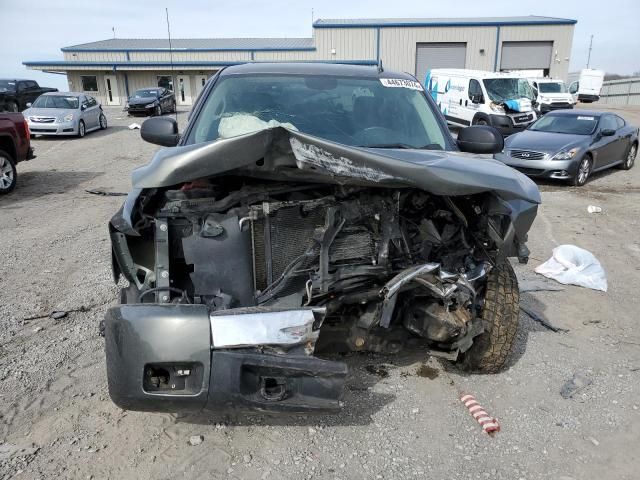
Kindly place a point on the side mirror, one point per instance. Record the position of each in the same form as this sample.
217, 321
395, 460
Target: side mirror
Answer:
480, 139
477, 98
83, 107
28, 104
160, 131
607, 132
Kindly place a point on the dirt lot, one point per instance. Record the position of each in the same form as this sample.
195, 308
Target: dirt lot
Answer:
402, 417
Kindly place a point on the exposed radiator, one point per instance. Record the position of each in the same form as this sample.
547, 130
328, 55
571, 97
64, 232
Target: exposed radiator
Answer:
281, 236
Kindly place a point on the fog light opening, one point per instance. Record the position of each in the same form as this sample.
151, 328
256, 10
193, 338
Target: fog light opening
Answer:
273, 389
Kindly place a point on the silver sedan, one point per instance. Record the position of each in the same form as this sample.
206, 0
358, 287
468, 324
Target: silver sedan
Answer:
65, 113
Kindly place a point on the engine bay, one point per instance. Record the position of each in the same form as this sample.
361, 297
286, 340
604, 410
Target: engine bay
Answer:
387, 266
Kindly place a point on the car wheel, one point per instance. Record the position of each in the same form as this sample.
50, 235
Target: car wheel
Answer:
157, 111
81, 129
8, 173
631, 157
500, 313
583, 172
103, 121
12, 107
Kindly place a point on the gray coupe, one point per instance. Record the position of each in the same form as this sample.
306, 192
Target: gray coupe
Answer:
65, 113
571, 144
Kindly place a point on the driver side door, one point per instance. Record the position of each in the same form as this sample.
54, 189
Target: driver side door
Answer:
607, 147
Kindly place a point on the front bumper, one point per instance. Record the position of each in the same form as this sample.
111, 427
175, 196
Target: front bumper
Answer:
55, 128
506, 125
550, 107
588, 98
140, 109
163, 358
551, 169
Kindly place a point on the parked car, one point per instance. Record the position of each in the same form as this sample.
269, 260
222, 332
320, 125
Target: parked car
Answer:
550, 95
151, 101
585, 85
65, 113
15, 147
472, 97
572, 144
16, 93
309, 208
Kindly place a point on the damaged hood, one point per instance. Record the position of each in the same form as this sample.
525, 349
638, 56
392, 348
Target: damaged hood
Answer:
281, 153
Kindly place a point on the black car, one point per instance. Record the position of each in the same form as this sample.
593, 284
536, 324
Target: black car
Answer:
151, 101
309, 209
570, 145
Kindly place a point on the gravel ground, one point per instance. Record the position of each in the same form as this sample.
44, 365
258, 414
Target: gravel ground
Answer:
402, 421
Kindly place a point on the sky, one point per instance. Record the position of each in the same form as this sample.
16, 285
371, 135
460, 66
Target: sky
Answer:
37, 29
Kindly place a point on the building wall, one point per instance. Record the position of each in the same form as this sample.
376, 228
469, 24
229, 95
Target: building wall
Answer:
134, 80
397, 49
398, 45
95, 56
562, 36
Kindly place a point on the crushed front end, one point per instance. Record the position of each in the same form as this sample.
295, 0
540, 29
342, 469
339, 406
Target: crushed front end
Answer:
240, 281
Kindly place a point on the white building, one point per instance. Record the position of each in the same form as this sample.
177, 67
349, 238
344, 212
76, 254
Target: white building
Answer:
112, 69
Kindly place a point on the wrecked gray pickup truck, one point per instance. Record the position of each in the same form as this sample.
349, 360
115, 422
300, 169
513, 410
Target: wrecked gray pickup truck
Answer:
309, 209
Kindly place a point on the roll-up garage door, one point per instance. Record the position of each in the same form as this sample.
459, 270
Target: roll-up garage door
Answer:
526, 55
439, 55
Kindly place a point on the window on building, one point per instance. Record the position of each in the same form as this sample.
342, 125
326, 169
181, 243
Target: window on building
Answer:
89, 83
165, 81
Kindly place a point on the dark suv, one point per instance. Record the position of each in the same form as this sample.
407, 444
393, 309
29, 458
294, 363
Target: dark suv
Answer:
309, 209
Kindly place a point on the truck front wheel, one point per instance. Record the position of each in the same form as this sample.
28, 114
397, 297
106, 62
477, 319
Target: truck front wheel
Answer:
500, 312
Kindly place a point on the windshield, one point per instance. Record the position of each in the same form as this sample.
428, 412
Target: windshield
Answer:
570, 124
7, 86
56, 101
366, 112
145, 93
552, 87
503, 89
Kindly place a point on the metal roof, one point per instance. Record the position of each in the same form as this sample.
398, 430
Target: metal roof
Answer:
440, 22
204, 44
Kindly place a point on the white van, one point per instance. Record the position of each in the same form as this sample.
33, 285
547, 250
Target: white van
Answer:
470, 97
551, 94
586, 84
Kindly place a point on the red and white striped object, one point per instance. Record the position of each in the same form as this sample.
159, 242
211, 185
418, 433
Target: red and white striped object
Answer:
488, 424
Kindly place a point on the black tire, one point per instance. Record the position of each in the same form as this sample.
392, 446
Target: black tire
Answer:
583, 172
8, 173
12, 107
631, 157
500, 313
81, 129
480, 121
157, 112
103, 122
